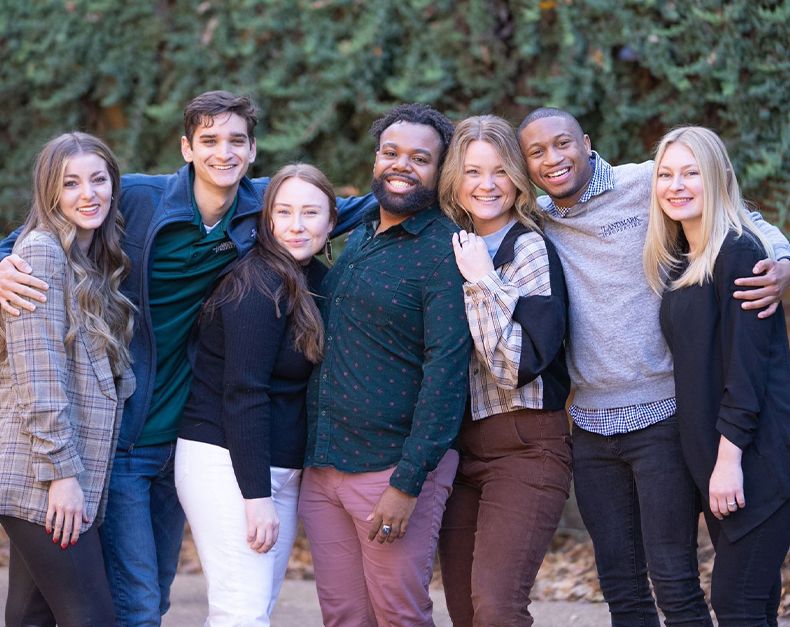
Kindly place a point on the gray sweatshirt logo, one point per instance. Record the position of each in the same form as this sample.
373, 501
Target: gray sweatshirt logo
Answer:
607, 230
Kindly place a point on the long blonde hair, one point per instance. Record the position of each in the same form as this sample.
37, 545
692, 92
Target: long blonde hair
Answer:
500, 134
723, 210
93, 296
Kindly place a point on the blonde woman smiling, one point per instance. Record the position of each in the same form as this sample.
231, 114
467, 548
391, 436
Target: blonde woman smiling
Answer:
515, 458
732, 370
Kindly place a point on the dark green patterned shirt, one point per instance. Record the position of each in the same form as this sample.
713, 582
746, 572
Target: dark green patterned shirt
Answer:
393, 384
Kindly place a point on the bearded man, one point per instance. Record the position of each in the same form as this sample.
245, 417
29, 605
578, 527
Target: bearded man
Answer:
388, 399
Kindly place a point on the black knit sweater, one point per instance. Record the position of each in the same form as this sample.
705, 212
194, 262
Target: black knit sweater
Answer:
248, 386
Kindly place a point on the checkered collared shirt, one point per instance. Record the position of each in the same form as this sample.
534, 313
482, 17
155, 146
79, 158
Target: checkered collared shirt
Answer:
602, 181
622, 419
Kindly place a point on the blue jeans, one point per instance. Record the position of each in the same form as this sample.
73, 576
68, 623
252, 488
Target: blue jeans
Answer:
640, 505
141, 534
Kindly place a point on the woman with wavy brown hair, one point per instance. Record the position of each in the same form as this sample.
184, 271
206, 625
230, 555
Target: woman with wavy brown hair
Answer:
514, 470
64, 375
241, 445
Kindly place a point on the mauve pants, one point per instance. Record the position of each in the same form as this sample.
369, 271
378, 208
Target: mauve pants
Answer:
362, 583
512, 483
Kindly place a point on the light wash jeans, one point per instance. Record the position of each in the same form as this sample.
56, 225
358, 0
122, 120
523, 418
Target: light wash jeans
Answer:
141, 534
243, 585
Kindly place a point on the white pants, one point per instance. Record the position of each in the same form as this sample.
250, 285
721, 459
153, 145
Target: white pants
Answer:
242, 584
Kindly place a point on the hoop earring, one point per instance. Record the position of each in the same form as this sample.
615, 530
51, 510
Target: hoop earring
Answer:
328, 251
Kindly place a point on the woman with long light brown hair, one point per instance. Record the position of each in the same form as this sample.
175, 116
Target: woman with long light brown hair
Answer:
241, 445
64, 376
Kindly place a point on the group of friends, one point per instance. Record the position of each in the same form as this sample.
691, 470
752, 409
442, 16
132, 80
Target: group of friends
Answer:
171, 347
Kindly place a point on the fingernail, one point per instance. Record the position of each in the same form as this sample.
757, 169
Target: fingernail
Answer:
73, 542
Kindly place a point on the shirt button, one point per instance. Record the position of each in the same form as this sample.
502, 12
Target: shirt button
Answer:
329, 338
351, 266
324, 376
323, 412
337, 300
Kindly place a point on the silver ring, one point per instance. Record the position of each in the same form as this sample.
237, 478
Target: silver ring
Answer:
386, 530
733, 503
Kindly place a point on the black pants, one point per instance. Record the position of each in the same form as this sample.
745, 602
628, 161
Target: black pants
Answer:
641, 507
747, 583
48, 585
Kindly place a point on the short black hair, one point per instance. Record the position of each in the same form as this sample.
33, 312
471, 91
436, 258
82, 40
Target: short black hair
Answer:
549, 112
416, 113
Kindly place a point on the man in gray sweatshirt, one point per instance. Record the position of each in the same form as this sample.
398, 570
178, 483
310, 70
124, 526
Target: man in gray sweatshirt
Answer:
634, 492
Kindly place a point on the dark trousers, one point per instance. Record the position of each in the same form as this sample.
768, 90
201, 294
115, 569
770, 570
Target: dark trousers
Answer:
513, 480
747, 579
641, 507
48, 585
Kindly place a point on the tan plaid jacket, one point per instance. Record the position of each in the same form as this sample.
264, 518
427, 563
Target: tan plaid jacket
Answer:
60, 409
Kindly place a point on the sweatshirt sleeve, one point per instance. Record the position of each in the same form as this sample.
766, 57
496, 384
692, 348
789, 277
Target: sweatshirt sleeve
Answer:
518, 318
774, 235
253, 333
7, 245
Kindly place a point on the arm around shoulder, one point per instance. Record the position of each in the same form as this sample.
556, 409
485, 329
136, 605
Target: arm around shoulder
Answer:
19, 285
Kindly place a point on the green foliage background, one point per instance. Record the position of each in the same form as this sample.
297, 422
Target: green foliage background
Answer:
322, 70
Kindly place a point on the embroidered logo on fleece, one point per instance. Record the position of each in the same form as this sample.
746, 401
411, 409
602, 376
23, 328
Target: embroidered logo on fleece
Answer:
607, 230
221, 248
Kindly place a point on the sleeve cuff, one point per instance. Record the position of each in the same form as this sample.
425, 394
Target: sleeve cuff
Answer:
738, 436
408, 478
485, 288
65, 463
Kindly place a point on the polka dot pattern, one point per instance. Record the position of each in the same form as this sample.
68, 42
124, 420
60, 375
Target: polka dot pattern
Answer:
392, 386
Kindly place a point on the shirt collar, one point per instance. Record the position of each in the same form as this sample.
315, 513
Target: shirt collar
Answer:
602, 180
413, 224
197, 219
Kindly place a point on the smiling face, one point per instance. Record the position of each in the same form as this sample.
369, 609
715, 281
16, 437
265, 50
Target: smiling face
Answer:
679, 188
406, 169
85, 195
220, 151
300, 218
558, 158
486, 190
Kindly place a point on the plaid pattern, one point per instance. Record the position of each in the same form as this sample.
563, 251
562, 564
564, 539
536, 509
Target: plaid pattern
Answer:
60, 408
622, 419
602, 181
490, 303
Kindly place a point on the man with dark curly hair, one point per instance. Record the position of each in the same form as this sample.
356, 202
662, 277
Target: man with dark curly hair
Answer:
388, 399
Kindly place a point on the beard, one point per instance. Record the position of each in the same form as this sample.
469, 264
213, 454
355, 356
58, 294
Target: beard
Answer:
413, 201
